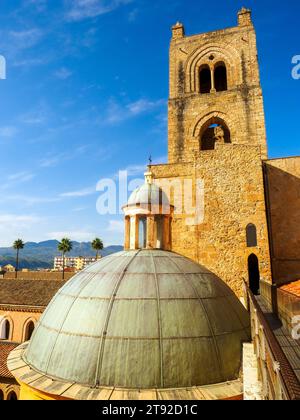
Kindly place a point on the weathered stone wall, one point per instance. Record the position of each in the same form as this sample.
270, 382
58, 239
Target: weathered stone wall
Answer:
283, 190
240, 107
233, 198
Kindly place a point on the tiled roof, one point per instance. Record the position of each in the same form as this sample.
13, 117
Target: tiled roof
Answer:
28, 292
293, 288
5, 349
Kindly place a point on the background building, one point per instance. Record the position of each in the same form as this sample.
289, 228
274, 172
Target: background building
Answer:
76, 263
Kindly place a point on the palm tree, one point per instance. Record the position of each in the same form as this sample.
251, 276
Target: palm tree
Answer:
64, 247
97, 245
18, 245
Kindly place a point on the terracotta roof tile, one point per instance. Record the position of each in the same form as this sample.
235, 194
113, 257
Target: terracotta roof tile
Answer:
293, 288
5, 349
28, 292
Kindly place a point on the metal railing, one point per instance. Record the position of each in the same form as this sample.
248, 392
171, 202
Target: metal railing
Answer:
287, 375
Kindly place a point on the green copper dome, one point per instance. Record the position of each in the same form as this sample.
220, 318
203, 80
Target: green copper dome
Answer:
141, 320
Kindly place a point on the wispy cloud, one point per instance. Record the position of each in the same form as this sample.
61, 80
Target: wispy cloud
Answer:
25, 39
79, 193
63, 73
21, 176
117, 113
31, 200
56, 159
8, 132
84, 9
14, 220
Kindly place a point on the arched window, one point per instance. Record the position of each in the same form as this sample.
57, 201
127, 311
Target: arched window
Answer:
220, 77
205, 79
214, 131
142, 232
12, 396
254, 275
29, 331
251, 236
5, 330
1, 395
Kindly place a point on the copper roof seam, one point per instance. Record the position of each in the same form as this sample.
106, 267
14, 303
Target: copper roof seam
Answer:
237, 315
140, 338
64, 320
206, 316
159, 321
105, 327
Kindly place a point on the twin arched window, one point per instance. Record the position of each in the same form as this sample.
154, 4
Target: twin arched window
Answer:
215, 78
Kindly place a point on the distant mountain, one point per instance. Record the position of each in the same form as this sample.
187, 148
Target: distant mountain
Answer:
41, 255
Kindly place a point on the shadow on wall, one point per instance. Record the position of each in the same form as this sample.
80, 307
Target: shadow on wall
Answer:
283, 201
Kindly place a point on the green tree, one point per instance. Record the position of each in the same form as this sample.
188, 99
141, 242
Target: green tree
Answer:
65, 246
18, 245
97, 245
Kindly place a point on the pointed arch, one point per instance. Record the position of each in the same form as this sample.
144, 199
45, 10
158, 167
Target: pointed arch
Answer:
28, 329
6, 329
220, 77
251, 235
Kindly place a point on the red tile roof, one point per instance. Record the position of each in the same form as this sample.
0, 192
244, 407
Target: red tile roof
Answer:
5, 349
293, 288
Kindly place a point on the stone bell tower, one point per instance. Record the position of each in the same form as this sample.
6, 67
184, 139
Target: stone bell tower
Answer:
215, 91
217, 137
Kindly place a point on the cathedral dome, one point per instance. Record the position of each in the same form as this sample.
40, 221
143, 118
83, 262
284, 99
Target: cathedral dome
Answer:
148, 194
142, 319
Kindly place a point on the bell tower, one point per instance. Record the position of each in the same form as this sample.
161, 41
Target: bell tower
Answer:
215, 91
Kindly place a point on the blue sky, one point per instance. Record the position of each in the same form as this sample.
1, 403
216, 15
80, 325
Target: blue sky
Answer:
86, 95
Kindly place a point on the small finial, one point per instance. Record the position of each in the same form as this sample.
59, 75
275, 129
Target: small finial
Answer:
150, 160
178, 30
244, 17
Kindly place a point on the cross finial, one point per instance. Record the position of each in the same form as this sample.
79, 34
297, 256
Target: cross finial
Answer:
150, 160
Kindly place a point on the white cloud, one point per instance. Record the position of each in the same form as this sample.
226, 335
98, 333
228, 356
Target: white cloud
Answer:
8, 131
63, 73
79, 193
14, 220
34, 117
21, 177
25, 39
84, 9
117, 113
31, 200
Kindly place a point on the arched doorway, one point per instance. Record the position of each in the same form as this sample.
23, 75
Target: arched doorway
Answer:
12, 396
254, 275
1, 395
29, 330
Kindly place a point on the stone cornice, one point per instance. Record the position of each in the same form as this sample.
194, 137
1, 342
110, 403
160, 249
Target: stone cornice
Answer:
22, 308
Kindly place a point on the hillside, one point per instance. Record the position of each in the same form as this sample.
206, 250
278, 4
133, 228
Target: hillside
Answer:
41, 255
